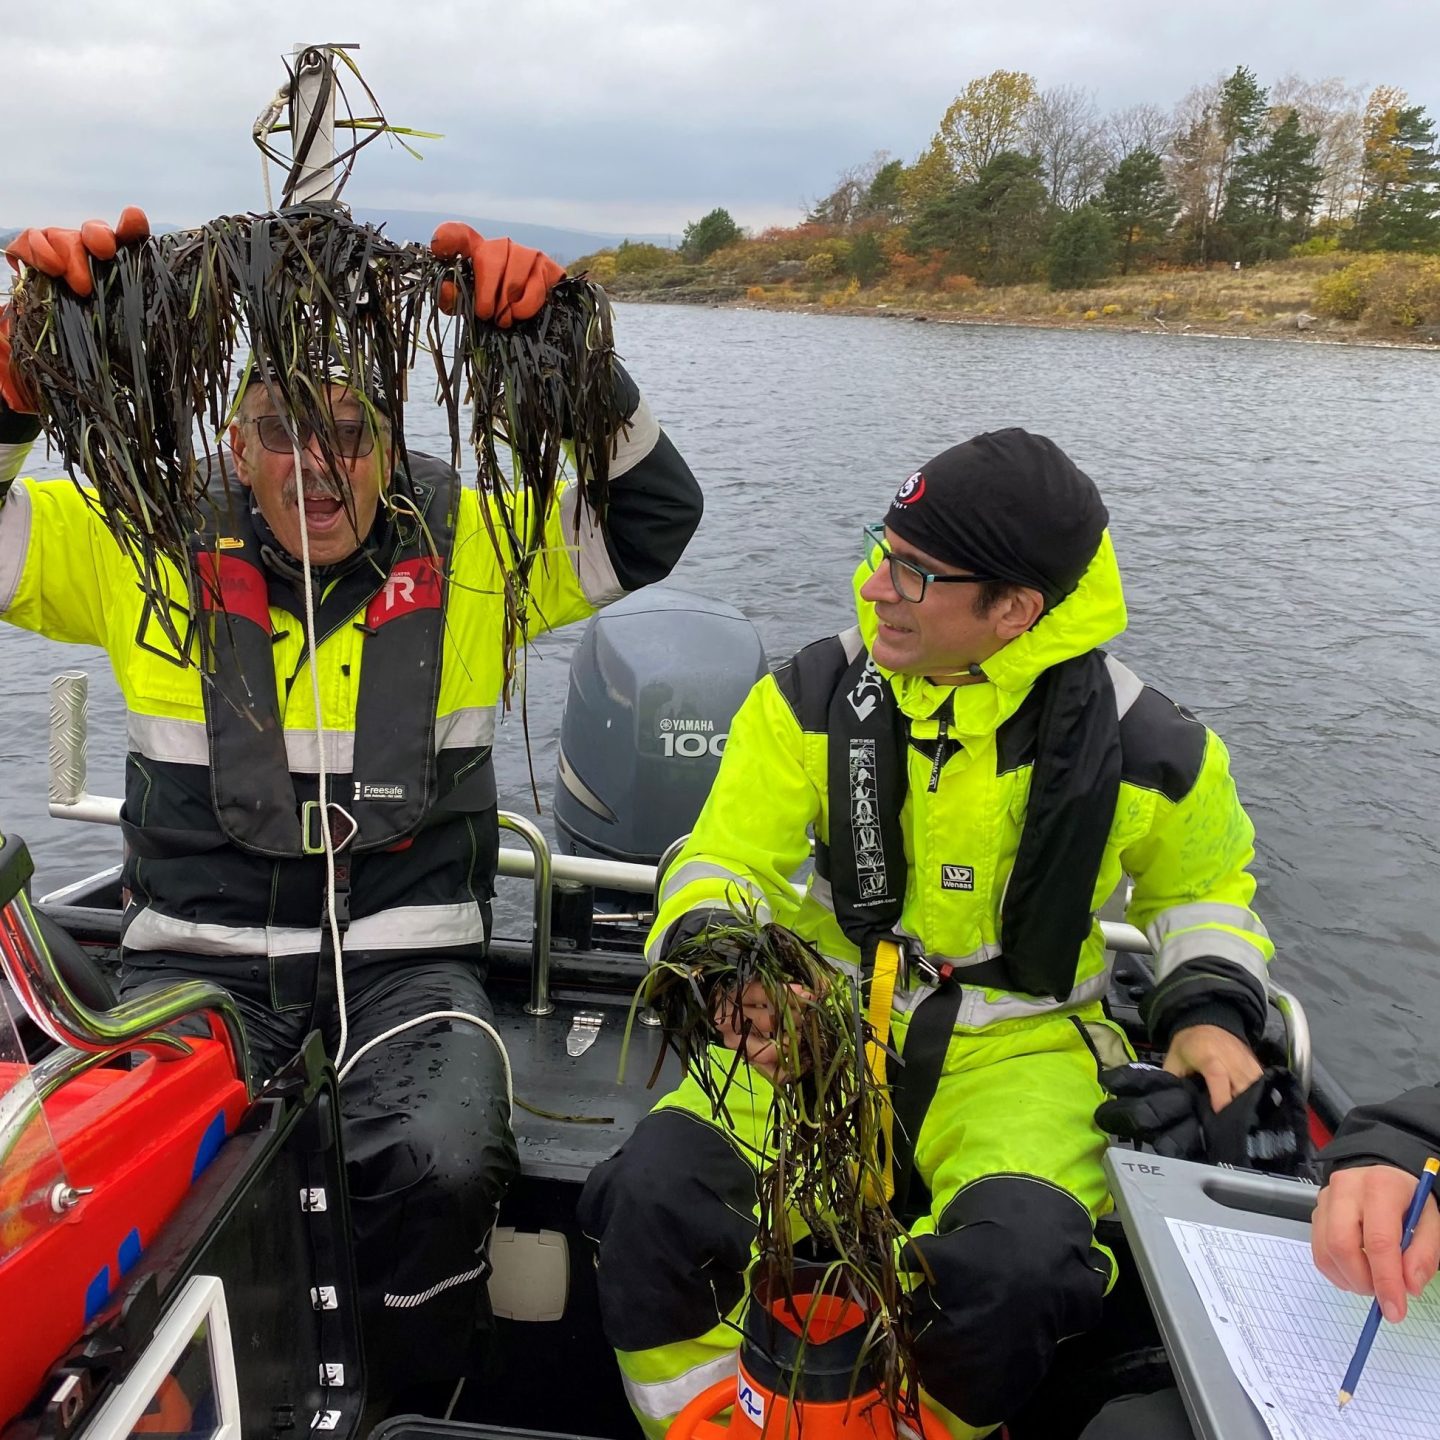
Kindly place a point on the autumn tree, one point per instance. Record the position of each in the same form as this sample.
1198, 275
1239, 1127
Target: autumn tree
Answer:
1332, 111
988, 116
928, 180
1141, 206
1081, 248
847, 202
1137, 127
1400, 206
703, 237
1063, 131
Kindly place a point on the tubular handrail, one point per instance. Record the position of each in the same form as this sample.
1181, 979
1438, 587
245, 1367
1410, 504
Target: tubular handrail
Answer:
1299, 1051
539, 1002
135, 1024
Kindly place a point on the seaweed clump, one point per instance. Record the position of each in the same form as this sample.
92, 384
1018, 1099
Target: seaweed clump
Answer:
135, 383
824, 1163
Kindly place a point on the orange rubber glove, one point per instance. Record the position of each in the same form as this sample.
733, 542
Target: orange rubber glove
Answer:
512, 281
66, 254
13, 395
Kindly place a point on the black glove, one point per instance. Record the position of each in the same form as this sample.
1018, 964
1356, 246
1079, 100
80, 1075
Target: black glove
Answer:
1263, 1128
1152, 1106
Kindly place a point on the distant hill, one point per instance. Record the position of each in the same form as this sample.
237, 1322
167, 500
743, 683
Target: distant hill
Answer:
559, 244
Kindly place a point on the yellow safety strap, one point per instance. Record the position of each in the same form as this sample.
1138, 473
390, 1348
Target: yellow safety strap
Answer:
882, 996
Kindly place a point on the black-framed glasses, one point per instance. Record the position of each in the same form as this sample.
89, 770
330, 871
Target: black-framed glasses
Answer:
354, 439
909, 580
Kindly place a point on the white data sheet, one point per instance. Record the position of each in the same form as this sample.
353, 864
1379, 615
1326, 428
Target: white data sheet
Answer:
1289, 1335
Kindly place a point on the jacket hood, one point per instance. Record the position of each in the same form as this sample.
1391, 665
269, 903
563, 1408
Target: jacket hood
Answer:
1092, 614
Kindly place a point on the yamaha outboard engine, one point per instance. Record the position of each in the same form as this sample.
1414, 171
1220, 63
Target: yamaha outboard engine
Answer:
654, 683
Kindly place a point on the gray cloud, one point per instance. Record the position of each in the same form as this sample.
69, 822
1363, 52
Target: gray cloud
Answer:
635, 116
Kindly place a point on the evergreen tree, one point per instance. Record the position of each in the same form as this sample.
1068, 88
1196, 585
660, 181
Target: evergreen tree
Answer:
1401, 206
1141, 206
1082, 245
1272, 194
993, 227
885, 196
703, 237
1239, 117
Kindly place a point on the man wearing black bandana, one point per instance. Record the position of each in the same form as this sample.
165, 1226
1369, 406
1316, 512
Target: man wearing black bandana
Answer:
979, 777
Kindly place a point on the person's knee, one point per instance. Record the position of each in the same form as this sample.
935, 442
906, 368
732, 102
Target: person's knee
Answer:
673, 1215
1011, 1272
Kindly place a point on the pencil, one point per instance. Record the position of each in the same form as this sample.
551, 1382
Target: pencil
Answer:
1351, 1382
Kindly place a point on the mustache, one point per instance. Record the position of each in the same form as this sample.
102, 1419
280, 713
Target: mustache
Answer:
315, 487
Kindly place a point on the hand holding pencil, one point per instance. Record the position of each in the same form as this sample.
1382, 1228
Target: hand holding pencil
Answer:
1359, 1243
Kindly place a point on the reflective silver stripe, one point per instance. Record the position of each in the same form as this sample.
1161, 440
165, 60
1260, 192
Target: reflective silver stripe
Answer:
977, 1010
161, 737
1175, 918
634, 440
302, 752
466, 729
12, 457
183, 742
1127, 685
660, 1399
1210, 944
408, 1302
404, 927
15, 516
679, 876
584, 541
150, 930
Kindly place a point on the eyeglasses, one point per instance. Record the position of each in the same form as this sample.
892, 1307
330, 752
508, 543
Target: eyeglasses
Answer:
279, 434
909, 580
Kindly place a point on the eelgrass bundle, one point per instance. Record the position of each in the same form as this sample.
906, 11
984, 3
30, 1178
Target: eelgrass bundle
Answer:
135, 383
531, 388
823, 1161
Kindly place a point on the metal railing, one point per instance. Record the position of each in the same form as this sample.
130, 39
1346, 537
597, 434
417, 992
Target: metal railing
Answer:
537, 863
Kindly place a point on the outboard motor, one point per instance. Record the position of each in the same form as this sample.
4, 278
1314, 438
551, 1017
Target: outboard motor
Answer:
654, 684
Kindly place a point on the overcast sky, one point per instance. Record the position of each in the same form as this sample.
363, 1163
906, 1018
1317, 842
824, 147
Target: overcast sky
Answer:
621, 117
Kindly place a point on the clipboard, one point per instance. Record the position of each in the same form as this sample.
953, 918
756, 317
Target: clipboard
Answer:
1149, 1191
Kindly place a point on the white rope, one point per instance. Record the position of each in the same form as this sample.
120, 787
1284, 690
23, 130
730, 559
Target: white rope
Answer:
475, 1020
324, 781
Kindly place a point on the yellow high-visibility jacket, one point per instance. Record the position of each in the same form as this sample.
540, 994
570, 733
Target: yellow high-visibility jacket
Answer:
194, 889
1178, 830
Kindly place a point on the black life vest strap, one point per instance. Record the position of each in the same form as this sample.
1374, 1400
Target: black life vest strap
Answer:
864, 856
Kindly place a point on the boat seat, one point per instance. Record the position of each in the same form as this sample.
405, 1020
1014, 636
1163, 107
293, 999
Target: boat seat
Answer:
85, 978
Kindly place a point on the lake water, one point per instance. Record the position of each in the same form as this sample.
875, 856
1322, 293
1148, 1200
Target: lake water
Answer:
1273, 507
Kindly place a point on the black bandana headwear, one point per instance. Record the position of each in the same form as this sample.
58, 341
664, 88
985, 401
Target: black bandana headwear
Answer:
1009, 505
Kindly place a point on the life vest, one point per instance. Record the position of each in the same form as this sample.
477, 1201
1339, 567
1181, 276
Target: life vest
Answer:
1046, 912
393, 783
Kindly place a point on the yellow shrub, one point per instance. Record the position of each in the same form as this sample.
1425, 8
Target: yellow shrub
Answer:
1112, 309
1343, 293
755, 292
1399, 290
820, 265
1091, 315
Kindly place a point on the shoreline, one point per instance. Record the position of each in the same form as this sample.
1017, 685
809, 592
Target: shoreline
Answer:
1177, 329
